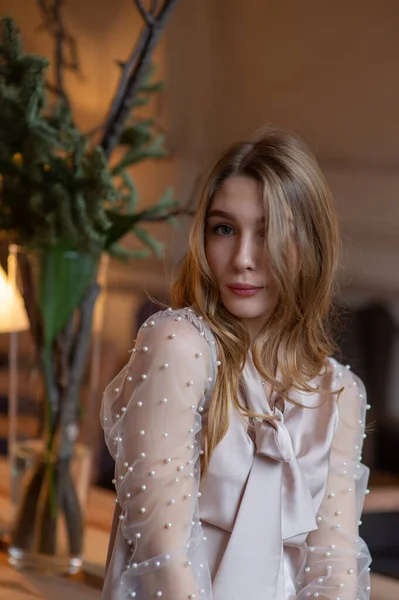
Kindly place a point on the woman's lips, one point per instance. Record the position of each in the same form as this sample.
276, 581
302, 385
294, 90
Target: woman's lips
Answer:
241, 290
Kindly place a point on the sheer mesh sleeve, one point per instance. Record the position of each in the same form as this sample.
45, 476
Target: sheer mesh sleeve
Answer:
151, 415
338, 559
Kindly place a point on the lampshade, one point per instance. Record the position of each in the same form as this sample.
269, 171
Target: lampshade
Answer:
13, 316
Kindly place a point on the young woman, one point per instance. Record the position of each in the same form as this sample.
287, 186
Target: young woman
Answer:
237, 437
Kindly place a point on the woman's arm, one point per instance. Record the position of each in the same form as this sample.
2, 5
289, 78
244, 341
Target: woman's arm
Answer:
338, 560
152, 411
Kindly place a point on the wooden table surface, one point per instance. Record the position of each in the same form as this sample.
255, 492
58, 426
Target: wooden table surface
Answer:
23, 585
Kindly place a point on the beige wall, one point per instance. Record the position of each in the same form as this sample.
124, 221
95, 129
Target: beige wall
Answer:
325, 69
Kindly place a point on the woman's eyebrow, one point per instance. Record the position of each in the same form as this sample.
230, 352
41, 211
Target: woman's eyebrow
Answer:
226, 215
220, 213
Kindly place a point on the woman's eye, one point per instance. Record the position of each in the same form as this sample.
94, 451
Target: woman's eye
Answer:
223, 230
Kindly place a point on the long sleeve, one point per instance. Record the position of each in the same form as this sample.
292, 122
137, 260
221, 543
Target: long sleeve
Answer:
338, 559
151, 415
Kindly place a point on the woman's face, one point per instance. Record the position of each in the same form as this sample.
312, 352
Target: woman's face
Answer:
236, 251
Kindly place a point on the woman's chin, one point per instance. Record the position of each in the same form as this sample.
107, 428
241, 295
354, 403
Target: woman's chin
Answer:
246, 310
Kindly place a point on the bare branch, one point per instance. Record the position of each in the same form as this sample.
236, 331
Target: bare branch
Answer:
124, 98
52, 88
148, 18
59, 50
154, 6
94, 131
179, 212
125, 76
64, 44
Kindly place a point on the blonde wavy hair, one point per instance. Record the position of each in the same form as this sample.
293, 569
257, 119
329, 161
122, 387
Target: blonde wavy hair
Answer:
299, 213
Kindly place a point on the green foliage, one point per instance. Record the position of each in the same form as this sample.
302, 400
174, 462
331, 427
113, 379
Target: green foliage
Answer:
72, 271
57, 190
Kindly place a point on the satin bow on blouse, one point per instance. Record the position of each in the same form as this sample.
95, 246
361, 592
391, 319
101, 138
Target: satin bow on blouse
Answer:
276, 505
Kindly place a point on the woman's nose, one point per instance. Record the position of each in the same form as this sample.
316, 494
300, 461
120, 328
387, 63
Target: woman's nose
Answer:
245, 255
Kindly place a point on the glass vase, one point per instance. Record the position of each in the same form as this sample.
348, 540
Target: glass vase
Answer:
52, 399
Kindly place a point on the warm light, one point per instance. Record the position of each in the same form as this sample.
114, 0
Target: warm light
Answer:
13, 316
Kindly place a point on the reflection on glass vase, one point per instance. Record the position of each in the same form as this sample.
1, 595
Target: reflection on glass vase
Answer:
54, 368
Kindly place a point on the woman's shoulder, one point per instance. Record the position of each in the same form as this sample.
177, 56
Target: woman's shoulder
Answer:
342, 373
185, 326
352, 394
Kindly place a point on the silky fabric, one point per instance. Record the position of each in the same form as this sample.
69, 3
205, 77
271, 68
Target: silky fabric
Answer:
277, 502
276, 515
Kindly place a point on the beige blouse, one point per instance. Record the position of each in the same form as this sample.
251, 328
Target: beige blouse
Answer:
275, 518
